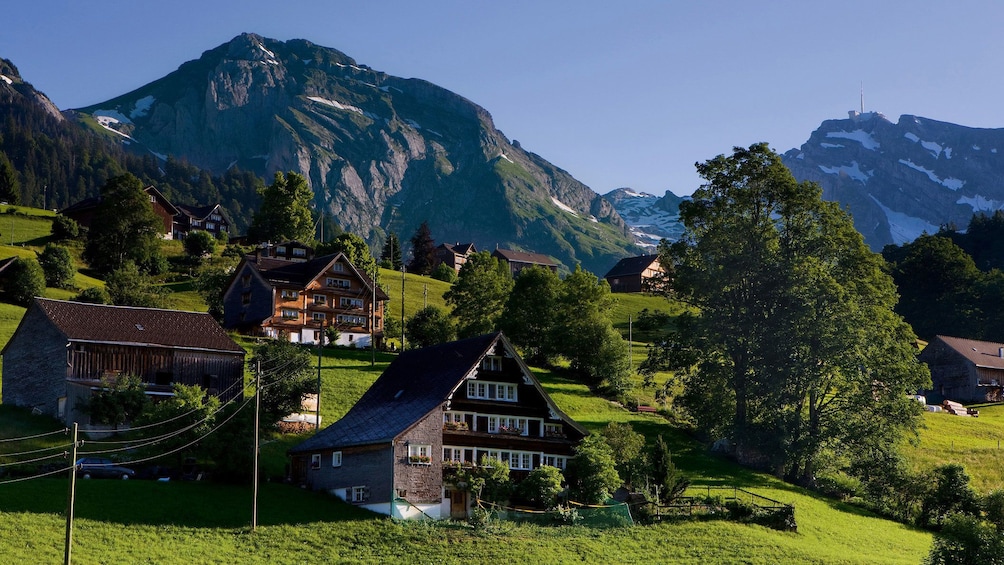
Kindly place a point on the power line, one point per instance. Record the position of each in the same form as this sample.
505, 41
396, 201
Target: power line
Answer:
62, 431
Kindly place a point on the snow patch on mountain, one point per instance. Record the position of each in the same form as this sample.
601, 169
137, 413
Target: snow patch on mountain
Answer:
853, 170
981, 203
142, 106
950, 183
861, 136
556, 202
110, 116
904, 228
6, 79
340, 106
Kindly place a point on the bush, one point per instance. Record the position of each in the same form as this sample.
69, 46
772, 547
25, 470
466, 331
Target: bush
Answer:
444, 273
199, 243
25, 281
651, 321
542, 487
57, 266
64, 228
93, 295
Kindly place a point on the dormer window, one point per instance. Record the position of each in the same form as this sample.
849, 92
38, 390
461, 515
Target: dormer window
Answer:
491, 363
281, 250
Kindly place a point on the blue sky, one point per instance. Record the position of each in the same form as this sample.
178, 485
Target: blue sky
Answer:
617, 93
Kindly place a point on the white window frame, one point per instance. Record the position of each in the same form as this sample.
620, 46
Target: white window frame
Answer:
491, 363
355, 303
360, 494
333, 282
299, 252
289, 294
482, 390
338, 268
336, 459
420, 450
319, 316
290, 314
320, 299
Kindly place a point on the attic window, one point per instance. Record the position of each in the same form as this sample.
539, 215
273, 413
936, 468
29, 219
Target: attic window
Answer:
140, 327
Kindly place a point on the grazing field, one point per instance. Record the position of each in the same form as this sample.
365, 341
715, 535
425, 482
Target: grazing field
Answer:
975, 443
184, 522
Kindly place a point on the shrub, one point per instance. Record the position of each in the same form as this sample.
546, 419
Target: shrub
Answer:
444, 273
93, 295
25, 281
542, 486
199, 243
57, 266
64, 228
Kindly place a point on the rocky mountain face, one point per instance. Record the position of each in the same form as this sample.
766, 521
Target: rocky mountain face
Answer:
381, 153
650, 218
901, 179
12, 86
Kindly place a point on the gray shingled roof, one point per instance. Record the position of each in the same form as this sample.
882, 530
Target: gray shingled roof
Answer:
101, 323
524, 257
416, 383
981, 353
631, 266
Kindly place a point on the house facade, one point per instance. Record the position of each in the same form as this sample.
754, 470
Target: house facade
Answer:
454, 255
635, 274
432, 411
282, 291
964, 370
211, 219
519, 260
61, 351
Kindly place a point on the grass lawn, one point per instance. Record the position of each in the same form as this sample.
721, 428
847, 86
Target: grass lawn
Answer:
976, 443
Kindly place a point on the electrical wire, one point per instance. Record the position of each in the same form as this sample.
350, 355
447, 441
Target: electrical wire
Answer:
63, 446
62, 431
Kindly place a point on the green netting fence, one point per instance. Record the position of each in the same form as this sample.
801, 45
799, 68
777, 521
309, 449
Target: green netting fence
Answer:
611, 515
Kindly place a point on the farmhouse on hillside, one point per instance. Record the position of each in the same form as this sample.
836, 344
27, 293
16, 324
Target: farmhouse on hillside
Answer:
431, 411
634, 274
282, 291
964, 370
519, 260
177, 220
453, 255
61, 350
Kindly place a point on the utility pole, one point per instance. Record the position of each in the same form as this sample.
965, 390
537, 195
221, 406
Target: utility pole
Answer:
257, 409
630, 340
68, 547
402, 307
373, 319
320, 349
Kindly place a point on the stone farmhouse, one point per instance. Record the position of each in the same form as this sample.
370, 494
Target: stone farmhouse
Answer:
61, 350
282, 291
432, 411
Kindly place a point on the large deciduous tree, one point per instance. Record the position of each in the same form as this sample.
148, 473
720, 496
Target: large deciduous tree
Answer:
354, 247
479, 295
794, 351
530, 313
124, 228
429, 326
284, 214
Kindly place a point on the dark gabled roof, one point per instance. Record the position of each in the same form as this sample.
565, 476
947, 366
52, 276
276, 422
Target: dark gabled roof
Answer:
631, 266
524, 257
100, 323
199, 212
981, 353
459, 248
85, 204
416, 383
300, 273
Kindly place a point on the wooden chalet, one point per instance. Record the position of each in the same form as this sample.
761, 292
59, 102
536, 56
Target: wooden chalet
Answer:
83, 212
454, 255
61, 350
211, 219
432, 411
282, 291
519, 260
635, 274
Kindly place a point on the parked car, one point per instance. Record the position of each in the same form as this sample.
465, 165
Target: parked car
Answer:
102, 468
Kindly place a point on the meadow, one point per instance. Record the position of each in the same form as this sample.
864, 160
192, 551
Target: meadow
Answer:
207, 522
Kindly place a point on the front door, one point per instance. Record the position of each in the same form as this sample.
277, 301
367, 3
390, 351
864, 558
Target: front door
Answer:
458, 504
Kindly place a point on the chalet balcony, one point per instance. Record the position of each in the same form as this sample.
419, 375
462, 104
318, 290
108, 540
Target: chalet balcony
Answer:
455, 427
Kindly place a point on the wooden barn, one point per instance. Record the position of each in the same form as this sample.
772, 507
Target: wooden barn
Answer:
62, 350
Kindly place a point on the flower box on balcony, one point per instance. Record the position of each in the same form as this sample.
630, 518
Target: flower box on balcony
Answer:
510, 431
456, 426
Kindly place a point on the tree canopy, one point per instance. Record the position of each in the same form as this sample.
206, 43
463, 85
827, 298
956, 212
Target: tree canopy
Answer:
124, 228
284, 214
794, 351
479, 295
